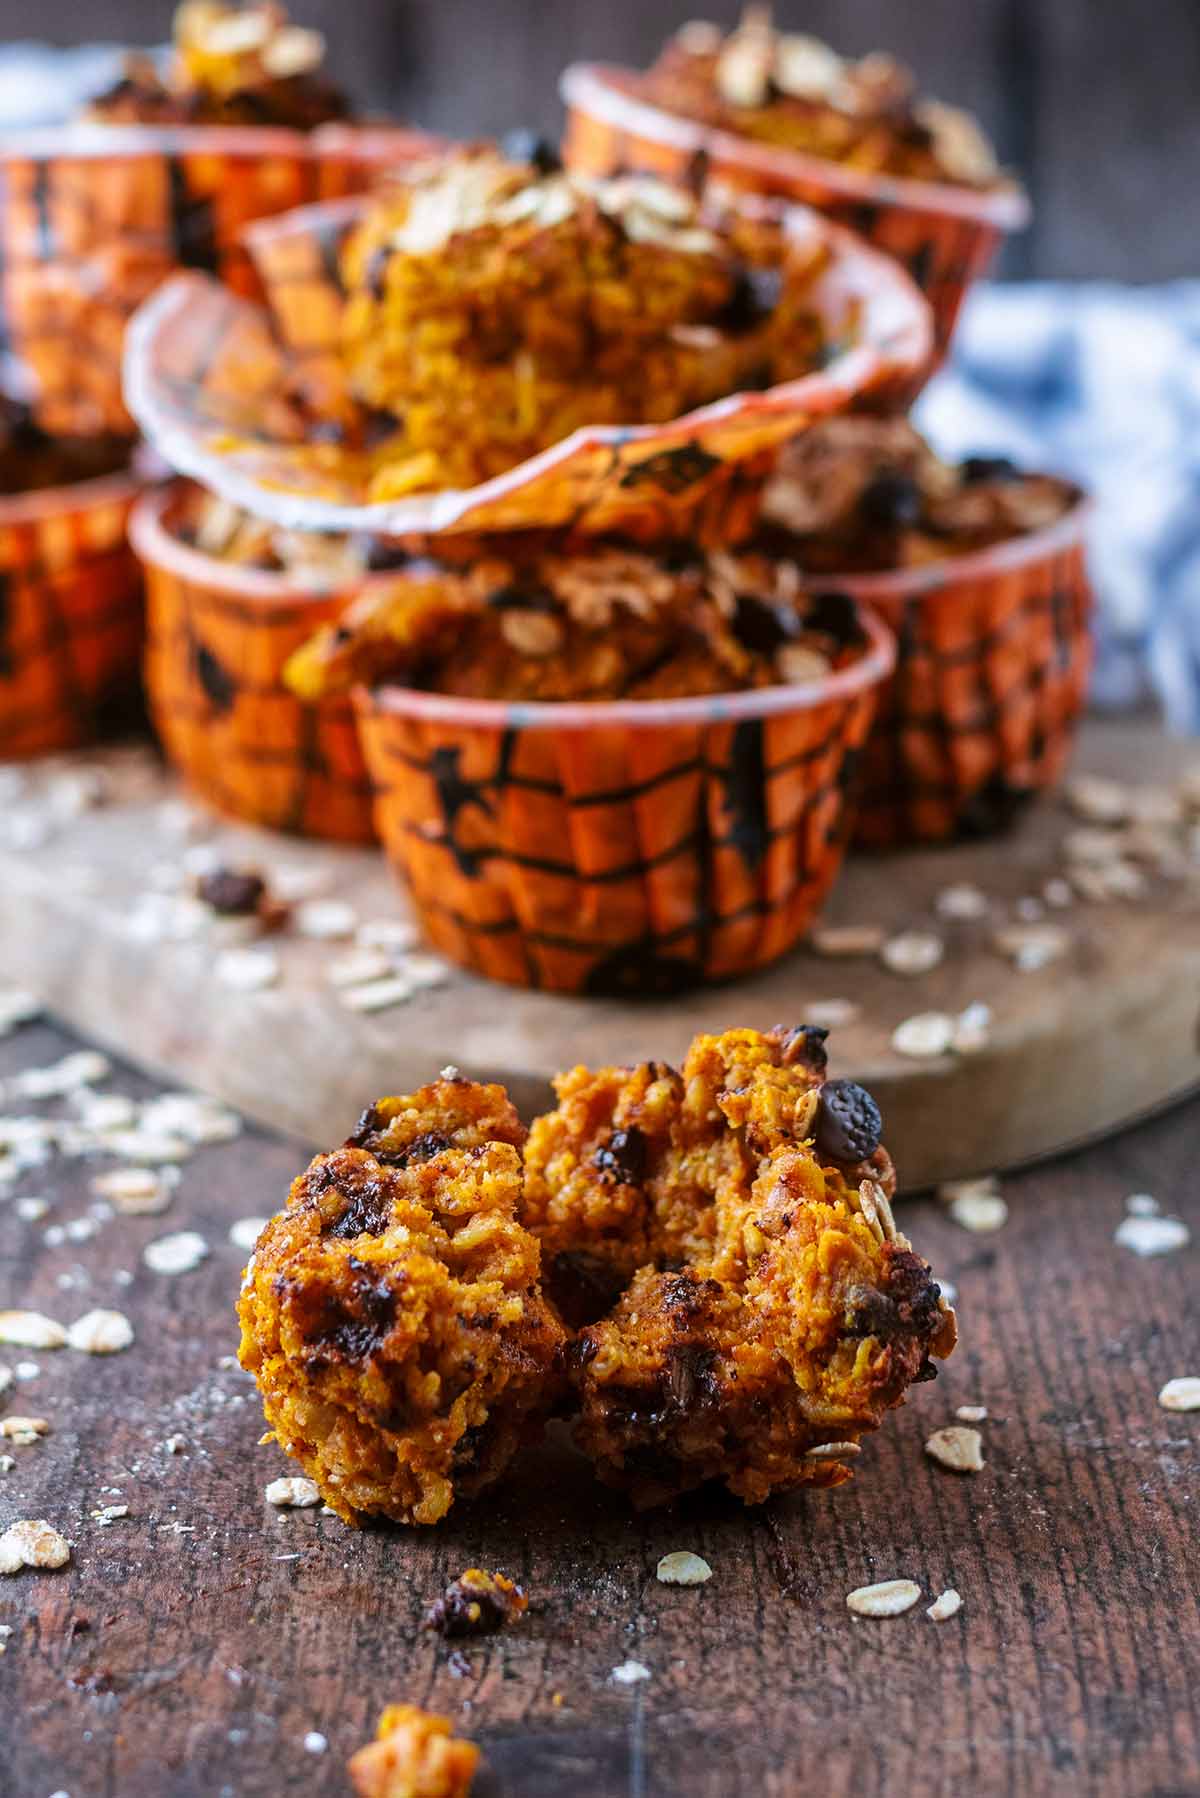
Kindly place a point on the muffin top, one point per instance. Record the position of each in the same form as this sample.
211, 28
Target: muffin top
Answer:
229, 65
862, 495
605, 622
795, 92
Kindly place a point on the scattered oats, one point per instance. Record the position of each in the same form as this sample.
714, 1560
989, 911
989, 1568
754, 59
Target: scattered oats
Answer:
54, 1237
958, 1448
177, 1254
683, 1569
379, 995
109, 1514
1029, 910
971, 1413
1141, 1204
293, 1492
104, 1111
833, 1451
246, 1232
832, 1014
176, 818
424, 970
1148, 1236
627, 1674
980, 1212
83, 1068
31, 1209
1032, 946
100, 1333
16, 1008
247, 970
325, 920
135, 1191
175, 1445
358, 968
1091, 848
1182, 1394
847, 939
927, 1034
912, 953
948, 1290
167, 918
197, 1119
123, 1277
81, 1229
946, 1605
1117, 880
1156, 806
27, 828
389, 934
1057, 893
6, 1463
24, 1430
1098, 800
888, 1598
972, 1029
32, 1543
29, 1329
6, 1378
315, 1742
148, 1146
961, 902
27, 1370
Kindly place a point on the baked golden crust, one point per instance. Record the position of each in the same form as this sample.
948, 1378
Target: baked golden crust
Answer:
494, 309
414, 1755
392, 1313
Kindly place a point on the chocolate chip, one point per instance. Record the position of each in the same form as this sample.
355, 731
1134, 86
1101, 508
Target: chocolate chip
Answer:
755, 295
623, 1157
232, 894
803, 1046
891, 501
988, 468
848, 1122
523, 145
836, 615
760, 626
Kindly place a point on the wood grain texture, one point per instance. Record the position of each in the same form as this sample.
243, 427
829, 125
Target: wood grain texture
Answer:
1092, 100
187, 1665
1057, 1069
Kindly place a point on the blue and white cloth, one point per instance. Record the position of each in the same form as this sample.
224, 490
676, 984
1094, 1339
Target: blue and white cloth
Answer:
1101, 383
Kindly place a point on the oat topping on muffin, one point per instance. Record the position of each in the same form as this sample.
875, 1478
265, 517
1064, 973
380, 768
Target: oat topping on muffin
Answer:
792, 91
853, 495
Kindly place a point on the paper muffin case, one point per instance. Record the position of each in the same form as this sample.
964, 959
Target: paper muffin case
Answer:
994, 654
629, 847
944, 235
70, 614
92, 219
218, 637
204, 369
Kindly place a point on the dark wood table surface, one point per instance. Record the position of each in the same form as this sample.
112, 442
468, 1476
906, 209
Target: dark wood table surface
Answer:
191, 1647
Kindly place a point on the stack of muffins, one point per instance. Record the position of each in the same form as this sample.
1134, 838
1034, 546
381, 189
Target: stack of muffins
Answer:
564, 524
162, 172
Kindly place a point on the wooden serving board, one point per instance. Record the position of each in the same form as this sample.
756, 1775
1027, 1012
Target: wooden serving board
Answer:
1108, 1033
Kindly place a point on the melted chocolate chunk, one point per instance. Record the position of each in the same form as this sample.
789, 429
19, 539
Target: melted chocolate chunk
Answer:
891, 501
803, 1046
623, 1157
760, 626
523, 145
755, 295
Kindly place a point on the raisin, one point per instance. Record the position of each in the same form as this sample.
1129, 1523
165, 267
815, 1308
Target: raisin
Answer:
623, 1156
848, 1122
754, 296
232, 894
989, 468
762, 627
891, 501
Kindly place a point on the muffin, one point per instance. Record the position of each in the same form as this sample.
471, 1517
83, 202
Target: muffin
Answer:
228, 65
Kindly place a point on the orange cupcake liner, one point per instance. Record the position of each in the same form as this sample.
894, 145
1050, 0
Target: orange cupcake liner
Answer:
204, 371
994, 654
218, 637
70, 613
620, 847
93, 218
945, 236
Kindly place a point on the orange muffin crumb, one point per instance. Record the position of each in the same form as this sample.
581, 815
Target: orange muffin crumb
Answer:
414, 1755
392, 1313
